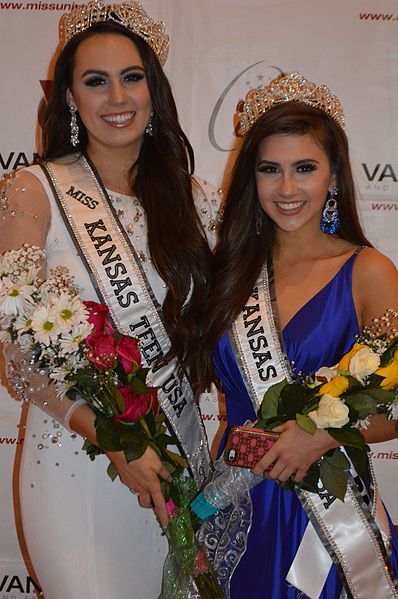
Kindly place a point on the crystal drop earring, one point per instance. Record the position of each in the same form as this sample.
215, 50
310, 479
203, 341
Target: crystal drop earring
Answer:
149, 127
74, 127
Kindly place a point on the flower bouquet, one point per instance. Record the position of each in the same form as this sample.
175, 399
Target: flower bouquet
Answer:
74, 343
339, 399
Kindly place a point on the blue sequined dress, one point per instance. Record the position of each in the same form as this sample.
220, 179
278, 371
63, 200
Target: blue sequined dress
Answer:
318, 335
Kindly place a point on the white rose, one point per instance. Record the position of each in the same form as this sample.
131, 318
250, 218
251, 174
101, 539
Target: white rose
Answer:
331, 412
364, 363
324, 375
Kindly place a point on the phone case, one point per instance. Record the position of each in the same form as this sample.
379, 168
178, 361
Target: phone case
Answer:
246, 446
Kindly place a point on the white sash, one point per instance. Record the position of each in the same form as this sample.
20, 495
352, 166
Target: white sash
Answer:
121, 283
254, 339
343, 532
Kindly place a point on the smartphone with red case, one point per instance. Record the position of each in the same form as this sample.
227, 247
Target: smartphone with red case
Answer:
246, 445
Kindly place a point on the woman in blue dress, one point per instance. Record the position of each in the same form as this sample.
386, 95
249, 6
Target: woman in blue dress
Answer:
293, 275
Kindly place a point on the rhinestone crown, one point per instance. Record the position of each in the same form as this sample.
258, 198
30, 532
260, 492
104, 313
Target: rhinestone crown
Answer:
130, 14
288, 87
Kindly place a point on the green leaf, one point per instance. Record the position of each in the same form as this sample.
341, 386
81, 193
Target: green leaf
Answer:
91, 450
334, 480
310, 480
388, 354
112, 472
381, 395
375, 380
363, 404
131, 434
163, 440
107, 434
160, 420
119, 399
288, 485
138, 386
151, 423
347, 436
293, 399
359, 458
176, 458
311, 404
306, 424
338, 460
142, 373
269, 405
270, 423
133, 451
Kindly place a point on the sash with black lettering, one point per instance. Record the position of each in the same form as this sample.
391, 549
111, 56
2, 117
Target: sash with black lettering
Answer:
254, 339
356, 547
121, 283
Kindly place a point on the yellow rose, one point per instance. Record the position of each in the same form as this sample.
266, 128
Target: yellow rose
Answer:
345, 360
331, 412
335, 387
363, 363
389, 374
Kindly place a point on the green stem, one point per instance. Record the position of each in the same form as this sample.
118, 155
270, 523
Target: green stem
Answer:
145, 427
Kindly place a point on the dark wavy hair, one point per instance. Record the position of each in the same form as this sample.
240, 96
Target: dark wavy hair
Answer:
241, 253
160, 177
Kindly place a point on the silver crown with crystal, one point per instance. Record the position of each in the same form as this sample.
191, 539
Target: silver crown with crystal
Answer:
130, 14
288, 87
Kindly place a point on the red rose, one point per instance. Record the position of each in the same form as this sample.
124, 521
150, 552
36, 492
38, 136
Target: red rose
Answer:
99, 317
136, 405
128, 352
100, 349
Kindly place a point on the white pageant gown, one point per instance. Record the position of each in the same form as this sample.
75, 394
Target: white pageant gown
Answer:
86, 535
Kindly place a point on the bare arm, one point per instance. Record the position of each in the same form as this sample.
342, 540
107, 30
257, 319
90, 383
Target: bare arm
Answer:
375, 289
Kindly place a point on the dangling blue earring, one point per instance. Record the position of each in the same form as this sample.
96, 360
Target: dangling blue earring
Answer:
330, 222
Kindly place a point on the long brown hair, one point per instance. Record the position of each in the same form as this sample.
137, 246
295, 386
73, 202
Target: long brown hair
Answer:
160, 178
241, 253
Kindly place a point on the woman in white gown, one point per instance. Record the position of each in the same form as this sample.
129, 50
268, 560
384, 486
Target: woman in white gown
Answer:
117, 164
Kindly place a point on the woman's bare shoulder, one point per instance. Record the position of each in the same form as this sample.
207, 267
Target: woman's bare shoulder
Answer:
372, 262
375, 284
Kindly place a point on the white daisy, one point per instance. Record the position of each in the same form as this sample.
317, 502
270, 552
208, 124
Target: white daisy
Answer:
59, 374
362, 424
23, 323
5, 336
393, 409
70, 344
26, 343
44, 325
62, 387
70, 311
15, 297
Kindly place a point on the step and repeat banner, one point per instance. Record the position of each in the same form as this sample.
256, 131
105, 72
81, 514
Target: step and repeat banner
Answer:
219, 50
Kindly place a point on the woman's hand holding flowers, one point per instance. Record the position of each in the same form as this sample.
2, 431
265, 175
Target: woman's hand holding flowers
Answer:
294, 452
142, 476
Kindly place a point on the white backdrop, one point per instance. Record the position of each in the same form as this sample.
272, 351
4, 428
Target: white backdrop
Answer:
219, 50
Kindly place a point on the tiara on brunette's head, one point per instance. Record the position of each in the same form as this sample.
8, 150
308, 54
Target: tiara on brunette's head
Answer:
130, 14
288, 87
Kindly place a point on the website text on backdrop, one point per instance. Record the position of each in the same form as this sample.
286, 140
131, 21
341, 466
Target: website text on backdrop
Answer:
294, 283
114, 200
